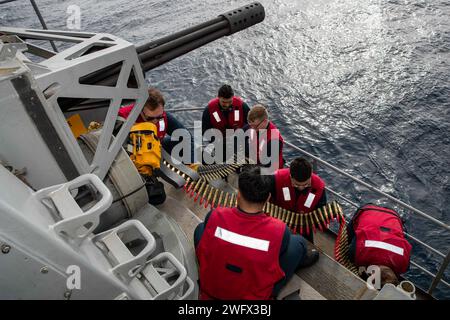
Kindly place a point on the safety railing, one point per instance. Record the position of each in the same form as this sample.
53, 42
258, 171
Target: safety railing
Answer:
436, 278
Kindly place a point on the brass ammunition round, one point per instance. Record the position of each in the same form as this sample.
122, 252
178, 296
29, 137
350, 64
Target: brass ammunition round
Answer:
283, 216
291, 220
213, 202
204, 183
331, 211
225, 201
209, 197
203, 193
219, 203
319, 225
269, 209
327, 219
297, 215
277, 210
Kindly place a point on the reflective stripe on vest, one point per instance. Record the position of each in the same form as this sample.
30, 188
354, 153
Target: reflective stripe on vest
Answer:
241, 240
383, 245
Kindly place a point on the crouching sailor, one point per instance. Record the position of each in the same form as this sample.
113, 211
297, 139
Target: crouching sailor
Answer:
298, 189
166, 124
376, 238
265, 137
244, 253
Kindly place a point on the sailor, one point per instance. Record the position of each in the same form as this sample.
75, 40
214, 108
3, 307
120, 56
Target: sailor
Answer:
263, 133
166, 124
242, 252
298, 189
376, 237
227, 111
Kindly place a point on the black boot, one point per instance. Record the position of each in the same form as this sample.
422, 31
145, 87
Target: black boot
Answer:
309, 259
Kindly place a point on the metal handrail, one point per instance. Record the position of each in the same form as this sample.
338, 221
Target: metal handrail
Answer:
430, 274
438, 276
184, 109
370, 187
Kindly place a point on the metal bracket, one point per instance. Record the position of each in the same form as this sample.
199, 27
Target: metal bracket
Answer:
76, 224
159, 270
111, 243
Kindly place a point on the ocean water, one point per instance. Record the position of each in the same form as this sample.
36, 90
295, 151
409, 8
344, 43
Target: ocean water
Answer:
362, 84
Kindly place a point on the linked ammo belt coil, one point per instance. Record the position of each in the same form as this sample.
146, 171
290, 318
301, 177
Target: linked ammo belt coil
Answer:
303, 223
341, 249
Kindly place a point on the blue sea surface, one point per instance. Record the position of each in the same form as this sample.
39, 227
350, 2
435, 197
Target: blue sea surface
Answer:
361, 84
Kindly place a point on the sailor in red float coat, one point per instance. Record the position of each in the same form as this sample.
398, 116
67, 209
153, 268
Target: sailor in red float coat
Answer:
262, 135
263, 139
166, 124
377, 238
161, 123
298, 189
234, 118
247, 266
227, 111
287, 197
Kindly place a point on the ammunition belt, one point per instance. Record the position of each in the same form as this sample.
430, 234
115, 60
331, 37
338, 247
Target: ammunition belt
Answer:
209, 195
305, 223
208, 172
217, 171
341, 249
302, 223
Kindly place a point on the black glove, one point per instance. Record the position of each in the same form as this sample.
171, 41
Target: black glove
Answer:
155, 190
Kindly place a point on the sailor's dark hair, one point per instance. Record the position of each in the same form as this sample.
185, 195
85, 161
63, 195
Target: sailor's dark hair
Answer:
300, 169
226, 92
253, 186
387, 275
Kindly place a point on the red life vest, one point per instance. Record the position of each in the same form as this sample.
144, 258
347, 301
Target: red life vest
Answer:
285, 192
238, 255
380, 239
263, 139
124, 112
235, 117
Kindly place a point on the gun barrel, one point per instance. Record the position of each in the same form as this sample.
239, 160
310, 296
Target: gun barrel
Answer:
160, 51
